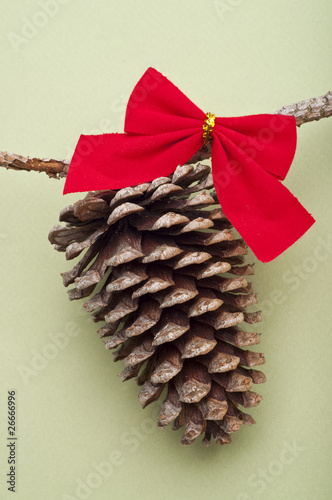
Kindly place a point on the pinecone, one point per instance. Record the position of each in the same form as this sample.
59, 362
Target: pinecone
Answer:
172, 294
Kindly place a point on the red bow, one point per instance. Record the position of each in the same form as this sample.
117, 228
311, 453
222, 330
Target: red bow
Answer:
164, 129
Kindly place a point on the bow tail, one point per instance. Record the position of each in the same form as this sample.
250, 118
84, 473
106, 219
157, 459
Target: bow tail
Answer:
114, 161
267, 216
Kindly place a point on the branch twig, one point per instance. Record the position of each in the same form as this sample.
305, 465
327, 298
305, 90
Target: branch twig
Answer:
309, 110
53, 168
304, 111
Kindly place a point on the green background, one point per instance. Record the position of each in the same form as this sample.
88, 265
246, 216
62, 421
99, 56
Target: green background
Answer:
71, 71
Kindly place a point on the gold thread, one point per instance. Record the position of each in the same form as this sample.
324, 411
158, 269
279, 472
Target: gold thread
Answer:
208, 127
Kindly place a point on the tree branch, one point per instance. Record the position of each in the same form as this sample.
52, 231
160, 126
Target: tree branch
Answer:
309, 110
303, 111
53, 168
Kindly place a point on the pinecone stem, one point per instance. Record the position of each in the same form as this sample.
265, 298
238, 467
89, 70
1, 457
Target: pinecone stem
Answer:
304, 111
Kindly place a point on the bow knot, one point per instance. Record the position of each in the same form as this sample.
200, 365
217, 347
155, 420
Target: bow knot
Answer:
250, 155
208, 126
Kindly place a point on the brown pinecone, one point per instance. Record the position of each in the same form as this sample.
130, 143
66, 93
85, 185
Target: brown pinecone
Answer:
173, 294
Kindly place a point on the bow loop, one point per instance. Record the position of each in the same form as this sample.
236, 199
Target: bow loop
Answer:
157, 106
163, 129
269, 140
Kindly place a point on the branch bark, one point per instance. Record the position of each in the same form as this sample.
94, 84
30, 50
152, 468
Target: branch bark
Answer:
310, 109
304, 111
53, 168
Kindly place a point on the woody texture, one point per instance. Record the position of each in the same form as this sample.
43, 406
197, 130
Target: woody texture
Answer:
169, 285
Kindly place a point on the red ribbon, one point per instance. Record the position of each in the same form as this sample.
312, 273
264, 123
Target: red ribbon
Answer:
164, 129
